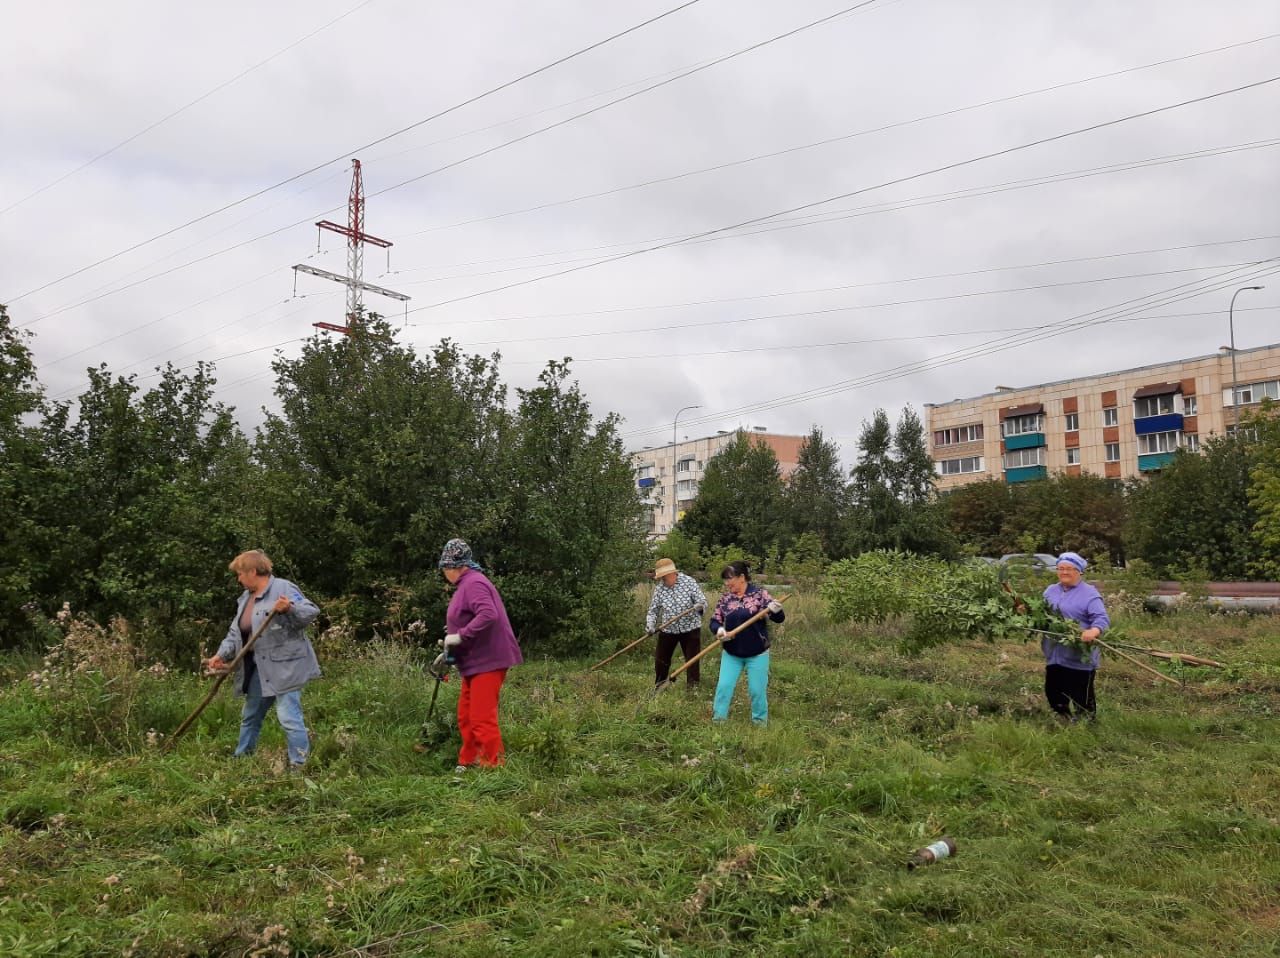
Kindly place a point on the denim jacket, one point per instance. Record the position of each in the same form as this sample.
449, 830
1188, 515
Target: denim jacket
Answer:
283, 654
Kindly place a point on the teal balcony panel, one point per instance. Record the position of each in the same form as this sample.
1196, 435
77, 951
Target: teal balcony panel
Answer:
1155, 461
1028, 440
1025, 473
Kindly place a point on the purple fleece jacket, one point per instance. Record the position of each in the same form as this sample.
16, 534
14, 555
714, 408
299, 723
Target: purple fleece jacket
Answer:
1081, 603
477, 614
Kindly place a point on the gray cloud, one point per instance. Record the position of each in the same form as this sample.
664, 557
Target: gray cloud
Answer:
98, 76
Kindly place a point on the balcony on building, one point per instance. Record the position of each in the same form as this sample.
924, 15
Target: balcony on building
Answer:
1022, 427
1157, 409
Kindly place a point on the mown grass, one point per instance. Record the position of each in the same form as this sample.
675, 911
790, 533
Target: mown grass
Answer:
625, 825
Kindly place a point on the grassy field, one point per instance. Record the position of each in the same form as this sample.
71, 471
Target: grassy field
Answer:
625, 825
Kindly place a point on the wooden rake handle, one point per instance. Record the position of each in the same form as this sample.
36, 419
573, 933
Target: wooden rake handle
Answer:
1141, 665
716, 641
187, 722
678, 615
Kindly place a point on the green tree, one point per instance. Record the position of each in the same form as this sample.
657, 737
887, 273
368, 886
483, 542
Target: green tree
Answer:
24, 539
571, 536
147, 496
376, 458
894, 504
1264, 490
1195, 513
740, 499
816, 495
980, 515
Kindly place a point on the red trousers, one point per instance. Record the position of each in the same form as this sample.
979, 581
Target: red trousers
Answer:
478, 719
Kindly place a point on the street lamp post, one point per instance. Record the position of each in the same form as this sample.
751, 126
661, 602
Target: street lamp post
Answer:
675, 505
1231, 328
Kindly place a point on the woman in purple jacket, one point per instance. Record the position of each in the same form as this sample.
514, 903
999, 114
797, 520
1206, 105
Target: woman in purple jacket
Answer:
483, 645
1068, 674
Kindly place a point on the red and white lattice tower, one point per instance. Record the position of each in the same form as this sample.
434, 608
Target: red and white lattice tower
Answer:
356, 238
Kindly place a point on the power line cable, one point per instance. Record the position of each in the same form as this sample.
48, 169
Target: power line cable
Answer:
665, 356
862, 285
1073, 324
182, 109
909, 203
593, 334
823, 20
841, 196
622, 99
345, 154
839, 139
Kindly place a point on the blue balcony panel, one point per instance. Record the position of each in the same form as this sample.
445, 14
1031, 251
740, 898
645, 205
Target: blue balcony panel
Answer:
1155, 461
646, 483
1149, 424
1025, 473
1028, 440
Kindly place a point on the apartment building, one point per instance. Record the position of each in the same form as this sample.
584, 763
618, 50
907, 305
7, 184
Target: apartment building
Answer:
1119, 425
668, 476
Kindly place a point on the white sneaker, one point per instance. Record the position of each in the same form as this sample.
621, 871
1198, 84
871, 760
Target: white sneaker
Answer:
459, 769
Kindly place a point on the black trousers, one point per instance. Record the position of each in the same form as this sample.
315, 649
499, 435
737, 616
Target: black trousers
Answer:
690, 644
1063, 686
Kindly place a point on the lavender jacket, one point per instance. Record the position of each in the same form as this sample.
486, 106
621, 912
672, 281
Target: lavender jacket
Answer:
1081, 603
477, 614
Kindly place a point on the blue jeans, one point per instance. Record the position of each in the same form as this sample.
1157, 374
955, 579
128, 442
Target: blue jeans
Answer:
731, 667
288, 712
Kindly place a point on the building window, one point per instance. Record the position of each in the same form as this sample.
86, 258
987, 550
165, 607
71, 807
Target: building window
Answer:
1190, 406
952, 437
1191, 442
1073, 456
1113, 452
1149, 406
1253, 392
957, 467
1111, 417
644, 472
1157, 442
1021, 425
1073, 422
685, 465
1018, 458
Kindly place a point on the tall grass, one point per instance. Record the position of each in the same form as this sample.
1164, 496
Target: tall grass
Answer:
626, 824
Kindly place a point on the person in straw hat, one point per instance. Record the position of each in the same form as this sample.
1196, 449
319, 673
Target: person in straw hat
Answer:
675, 593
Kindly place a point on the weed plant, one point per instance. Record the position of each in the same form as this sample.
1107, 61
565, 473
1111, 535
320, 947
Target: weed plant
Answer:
628, 824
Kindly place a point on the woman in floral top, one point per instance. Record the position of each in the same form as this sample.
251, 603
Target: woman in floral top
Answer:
748, 650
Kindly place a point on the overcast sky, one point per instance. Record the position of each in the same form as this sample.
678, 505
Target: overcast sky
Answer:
837, 295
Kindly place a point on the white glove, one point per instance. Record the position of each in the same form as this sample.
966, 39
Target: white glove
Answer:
775, 606
721, 633
452, 639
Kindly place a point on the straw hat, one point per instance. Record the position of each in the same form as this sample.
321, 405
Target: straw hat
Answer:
664, 567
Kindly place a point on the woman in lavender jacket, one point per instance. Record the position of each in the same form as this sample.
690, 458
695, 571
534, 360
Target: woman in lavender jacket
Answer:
1068, 674
481, 642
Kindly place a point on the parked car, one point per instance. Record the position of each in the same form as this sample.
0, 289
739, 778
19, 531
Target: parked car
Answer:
1036, 560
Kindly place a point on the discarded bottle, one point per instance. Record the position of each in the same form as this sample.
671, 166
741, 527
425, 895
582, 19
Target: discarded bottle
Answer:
945, 847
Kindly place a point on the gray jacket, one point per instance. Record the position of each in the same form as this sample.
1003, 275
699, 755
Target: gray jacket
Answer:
283, 653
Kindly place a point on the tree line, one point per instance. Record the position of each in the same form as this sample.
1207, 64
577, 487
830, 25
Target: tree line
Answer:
130, 500
1214, 514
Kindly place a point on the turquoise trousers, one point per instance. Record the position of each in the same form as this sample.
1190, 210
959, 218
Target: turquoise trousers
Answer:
731, 667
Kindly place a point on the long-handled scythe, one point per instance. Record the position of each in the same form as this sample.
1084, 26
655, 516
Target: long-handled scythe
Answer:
716, 642
231, 667
628, 648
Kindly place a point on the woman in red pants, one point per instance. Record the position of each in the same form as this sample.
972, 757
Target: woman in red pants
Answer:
483, 645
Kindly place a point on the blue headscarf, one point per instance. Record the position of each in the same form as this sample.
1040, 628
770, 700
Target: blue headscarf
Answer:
1075, 559
456, 555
